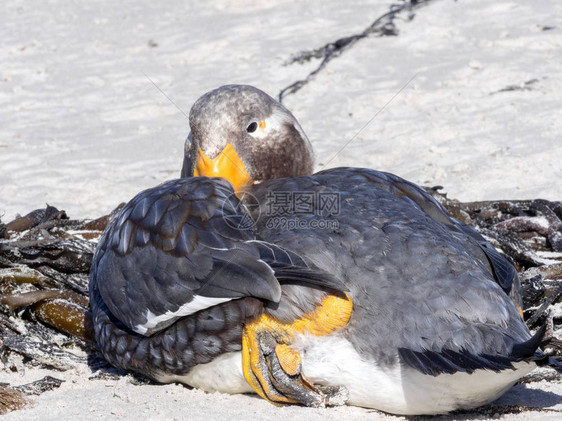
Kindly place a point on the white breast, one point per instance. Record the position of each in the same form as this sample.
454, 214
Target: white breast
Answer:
223, 374
332, 360
401, 390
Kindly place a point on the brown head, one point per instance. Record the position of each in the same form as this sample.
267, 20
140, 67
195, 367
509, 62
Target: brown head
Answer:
243, 135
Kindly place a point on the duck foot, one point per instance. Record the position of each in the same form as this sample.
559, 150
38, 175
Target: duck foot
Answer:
274, 369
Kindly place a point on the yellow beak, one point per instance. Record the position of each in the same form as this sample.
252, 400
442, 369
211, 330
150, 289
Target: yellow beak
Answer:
227, 164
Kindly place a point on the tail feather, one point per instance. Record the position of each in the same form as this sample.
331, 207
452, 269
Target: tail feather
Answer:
449, 361
543, 360
528, 349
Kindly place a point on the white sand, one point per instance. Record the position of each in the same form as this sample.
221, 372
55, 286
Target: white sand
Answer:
83, 128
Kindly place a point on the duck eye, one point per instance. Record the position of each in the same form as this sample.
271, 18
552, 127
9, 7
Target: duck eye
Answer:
252, 127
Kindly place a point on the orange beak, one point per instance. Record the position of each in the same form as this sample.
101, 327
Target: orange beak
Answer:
227, 164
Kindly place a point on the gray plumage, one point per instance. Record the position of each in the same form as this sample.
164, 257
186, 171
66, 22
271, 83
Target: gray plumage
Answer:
418, 279
191, 341
169, 246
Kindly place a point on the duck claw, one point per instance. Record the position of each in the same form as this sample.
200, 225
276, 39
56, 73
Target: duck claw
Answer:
281, 381
292, 384
258, 345
296, 386
274, 369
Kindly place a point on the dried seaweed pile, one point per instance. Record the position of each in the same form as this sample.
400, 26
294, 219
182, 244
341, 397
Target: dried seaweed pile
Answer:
44, 263
45, 258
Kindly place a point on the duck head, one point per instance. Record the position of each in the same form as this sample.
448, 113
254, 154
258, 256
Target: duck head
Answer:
240, 133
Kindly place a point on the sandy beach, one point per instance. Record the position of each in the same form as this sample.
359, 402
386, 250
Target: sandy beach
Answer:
94, 98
